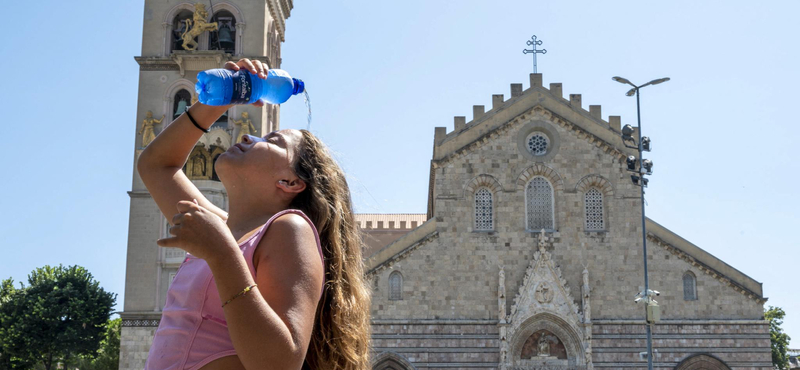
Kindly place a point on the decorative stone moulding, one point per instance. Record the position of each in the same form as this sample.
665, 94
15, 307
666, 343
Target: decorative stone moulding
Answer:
540, 170
199, 60
597, 181
136, 323
482, 180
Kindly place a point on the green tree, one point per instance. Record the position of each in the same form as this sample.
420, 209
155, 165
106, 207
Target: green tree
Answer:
12, 340
61, 316
108, 355
778, 339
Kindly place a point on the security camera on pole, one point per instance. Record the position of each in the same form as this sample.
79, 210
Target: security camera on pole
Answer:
642, 167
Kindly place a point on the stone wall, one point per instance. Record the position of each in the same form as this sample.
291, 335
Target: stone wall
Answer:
739, 344
474, 344
439, 344
134, 346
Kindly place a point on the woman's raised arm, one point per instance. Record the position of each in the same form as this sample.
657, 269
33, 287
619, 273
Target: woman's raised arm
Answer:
161, 162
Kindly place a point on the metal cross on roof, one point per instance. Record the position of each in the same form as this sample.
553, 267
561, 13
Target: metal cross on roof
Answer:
533, 42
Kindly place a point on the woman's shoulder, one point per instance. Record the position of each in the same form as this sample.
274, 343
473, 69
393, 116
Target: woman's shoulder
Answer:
290, 236
290, 221
287, 226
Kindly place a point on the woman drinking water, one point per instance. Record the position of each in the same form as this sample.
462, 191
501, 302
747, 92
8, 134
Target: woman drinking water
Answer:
278, 281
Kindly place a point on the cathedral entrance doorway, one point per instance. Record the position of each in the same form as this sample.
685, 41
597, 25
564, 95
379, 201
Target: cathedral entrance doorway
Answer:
545, 341
702, 362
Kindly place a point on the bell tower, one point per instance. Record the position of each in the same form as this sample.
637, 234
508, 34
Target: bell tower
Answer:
179, 39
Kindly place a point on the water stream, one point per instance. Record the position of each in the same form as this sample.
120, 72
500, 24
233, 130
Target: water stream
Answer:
308, 105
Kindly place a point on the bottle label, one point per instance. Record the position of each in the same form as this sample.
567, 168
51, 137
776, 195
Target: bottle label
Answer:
242, 87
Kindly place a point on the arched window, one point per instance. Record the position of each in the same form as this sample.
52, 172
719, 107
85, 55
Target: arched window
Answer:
179, 26
483, 209
181, 100
689, 287
225, 37
395, 286
593, 203
539, 202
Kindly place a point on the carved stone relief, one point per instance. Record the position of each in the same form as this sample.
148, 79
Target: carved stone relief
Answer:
543, 293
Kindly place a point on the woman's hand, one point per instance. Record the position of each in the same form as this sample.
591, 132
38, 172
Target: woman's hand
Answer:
199, 232
254, 66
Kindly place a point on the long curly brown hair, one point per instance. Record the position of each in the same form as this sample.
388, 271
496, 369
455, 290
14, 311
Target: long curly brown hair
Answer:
341, 336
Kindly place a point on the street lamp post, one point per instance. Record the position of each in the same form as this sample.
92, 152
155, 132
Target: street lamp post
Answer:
651, 307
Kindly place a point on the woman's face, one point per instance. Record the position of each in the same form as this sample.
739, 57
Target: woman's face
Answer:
257, 161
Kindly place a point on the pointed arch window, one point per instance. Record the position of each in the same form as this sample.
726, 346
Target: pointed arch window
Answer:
395, 286
181, 100
484, 209
689, 287
593, 204
539, 204
224, 38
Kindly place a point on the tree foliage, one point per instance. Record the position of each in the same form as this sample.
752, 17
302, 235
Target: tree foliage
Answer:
778, 339
60, 316
108, 355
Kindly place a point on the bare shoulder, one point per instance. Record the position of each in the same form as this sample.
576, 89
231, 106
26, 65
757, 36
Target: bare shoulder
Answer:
290, 274
291, 222
288, 240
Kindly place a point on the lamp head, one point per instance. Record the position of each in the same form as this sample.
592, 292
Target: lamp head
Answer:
622, 80
631, 163
648, 166
639, 181
627, 133
658, 81
646, 144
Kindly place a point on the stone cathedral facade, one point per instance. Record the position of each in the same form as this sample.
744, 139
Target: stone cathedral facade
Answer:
528, 257
531, 255
181, 38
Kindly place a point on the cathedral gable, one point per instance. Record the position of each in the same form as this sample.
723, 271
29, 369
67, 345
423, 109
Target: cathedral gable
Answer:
522, 106
523, 117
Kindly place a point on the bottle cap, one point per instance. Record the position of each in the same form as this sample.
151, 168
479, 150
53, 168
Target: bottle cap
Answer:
299, 86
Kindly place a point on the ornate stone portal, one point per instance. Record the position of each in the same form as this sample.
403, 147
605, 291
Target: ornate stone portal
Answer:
545, 328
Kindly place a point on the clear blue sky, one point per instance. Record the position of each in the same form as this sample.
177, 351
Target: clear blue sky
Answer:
382, 76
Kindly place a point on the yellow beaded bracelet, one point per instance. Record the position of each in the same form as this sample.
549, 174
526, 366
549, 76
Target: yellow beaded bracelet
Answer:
243, 292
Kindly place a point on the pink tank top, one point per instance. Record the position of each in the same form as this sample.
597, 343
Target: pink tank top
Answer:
193, 331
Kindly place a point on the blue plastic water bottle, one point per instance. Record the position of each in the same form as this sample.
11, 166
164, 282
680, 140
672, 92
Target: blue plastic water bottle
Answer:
223, 86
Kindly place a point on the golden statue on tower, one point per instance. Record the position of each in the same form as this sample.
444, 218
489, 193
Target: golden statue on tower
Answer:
200, 26
147, 128
246, 126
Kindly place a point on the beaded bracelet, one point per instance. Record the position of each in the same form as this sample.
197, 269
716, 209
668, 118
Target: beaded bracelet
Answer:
243, 292
195, 122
